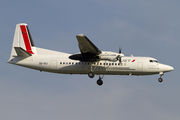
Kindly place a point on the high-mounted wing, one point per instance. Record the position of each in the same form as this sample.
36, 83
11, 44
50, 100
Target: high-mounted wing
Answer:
89, 52
86, 46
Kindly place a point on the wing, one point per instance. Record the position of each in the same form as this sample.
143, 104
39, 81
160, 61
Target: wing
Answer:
89, 52
86, 46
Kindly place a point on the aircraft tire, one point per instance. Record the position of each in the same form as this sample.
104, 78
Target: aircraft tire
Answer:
91, 74
160, 79
99, 82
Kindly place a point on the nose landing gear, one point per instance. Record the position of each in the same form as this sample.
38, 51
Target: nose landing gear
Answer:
160, 79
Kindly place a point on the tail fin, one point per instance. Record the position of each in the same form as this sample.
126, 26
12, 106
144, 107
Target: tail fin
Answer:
23, 44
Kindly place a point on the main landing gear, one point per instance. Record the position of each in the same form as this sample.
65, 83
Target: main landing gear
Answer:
91, 74
99, 81
160, 79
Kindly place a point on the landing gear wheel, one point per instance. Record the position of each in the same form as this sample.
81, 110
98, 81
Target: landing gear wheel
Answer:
99, 82
160, 79
91, 74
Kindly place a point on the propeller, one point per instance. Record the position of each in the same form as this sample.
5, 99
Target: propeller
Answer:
119, 50
120, 55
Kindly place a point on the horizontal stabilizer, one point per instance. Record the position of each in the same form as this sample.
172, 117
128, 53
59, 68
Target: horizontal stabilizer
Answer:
21, 52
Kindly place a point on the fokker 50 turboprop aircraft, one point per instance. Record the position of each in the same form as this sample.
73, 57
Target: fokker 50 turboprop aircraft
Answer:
89, 61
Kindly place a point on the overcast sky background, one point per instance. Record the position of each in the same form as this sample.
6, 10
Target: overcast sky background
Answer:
141, 27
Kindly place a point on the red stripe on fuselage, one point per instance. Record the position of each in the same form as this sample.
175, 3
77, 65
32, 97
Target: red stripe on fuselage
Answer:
26, 39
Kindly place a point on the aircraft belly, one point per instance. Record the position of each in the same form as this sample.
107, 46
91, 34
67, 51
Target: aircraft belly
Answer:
74, 69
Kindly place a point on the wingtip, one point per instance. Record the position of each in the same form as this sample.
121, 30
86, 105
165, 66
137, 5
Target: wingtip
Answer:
80, 35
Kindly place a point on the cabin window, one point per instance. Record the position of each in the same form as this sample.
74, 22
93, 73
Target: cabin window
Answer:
60, 62
63, 62
115, 63
72, 63
112, 63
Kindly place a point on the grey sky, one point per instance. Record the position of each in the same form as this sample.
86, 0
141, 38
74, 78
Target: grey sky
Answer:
141, 27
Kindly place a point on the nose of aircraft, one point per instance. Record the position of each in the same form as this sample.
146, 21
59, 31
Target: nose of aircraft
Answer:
171, 68
165, 68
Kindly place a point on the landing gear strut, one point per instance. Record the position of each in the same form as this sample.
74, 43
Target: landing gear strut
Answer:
160, 79
99, 81
91, 75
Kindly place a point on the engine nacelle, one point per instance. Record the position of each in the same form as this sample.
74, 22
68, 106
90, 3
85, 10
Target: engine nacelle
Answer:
109, 57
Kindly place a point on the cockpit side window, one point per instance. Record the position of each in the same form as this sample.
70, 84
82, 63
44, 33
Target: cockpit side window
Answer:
156, 61
153, 61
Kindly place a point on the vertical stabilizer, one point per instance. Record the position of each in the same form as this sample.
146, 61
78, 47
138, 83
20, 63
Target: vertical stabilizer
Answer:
23, 44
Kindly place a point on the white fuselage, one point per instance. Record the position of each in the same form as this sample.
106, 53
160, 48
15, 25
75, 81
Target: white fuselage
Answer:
89, 61
58, 62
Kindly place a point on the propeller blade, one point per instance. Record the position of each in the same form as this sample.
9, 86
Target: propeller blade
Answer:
119, 54
119, 59
119, 50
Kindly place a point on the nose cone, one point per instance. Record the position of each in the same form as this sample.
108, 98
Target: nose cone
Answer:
171, 68
165, 68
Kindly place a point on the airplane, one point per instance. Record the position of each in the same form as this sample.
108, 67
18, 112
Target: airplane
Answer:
90, 60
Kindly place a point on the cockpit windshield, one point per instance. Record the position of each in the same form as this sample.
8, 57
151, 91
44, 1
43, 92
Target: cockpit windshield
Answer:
153, 61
